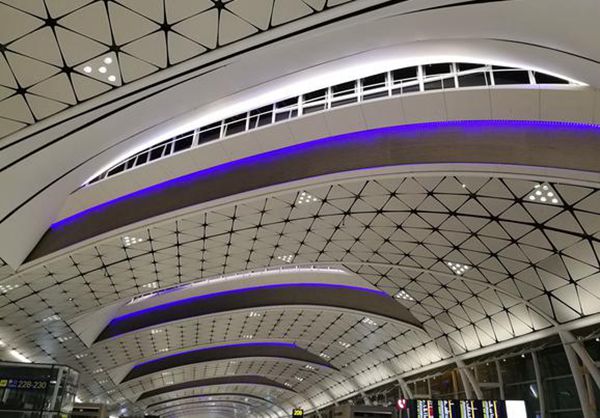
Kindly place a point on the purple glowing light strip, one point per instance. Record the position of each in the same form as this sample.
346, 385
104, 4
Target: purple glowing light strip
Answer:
219, 347
414, 129
167, 305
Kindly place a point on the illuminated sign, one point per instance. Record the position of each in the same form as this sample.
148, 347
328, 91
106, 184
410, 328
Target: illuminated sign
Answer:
297, 412
23, 384
452, 408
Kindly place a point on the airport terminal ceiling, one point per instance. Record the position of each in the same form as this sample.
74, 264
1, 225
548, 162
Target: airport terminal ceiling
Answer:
425, 191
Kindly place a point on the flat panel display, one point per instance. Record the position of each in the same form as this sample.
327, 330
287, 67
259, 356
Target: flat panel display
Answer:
455, 408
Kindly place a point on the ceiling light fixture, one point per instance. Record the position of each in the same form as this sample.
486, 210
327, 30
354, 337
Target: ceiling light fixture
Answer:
8, 287
87, 69
543, 193
369, 321
51, 318
306, 198
112, 78
457, 267
129, 241
286, 258
325, 356
102, 70
151, 285
19, 356
403, 295
248, 336
156, 331
254, 314
108, 60
344, 344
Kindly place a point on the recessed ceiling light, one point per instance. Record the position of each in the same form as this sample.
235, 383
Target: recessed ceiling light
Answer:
369, 321
102, 70
403, 295
286, 258
254, 314
309, 367
156, 331
8, 287
306, 198
108, 60
19, 356
51, 318
151, 285
325, 356
458, 268
87, 69
344, 344
129, 241
112, 78
248, 336
543, 193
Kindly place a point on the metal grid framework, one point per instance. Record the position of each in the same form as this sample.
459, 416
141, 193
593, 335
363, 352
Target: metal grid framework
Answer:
403, 81
531, 265
57, 54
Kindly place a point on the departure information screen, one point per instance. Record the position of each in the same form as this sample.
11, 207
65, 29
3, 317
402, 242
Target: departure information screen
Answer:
452, 408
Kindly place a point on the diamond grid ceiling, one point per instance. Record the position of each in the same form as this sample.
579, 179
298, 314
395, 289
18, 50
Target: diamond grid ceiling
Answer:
530, 264
46, 45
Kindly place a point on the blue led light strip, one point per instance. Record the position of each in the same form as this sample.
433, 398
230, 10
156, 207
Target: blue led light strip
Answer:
475, 126
166, 306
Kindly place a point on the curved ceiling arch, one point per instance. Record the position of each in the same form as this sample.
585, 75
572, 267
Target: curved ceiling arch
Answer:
296, 376
241, 396
278, 320
292, 294
276, 350
451, 142
217, 381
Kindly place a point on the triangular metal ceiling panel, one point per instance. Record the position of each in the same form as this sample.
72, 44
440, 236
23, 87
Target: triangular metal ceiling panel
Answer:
76, 48
86, 87
43, 107
232, 28
177, 10
16, 23
257, 12
16, 108
181, 48
29, 71
133, 68
128, 26
287, 10
152, 9
9, 126
201, 28
41, 45
151, 48
56, 88
91, 21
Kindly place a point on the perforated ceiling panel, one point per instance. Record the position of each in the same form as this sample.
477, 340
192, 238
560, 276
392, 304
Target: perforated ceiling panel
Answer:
478, 260
56, 54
